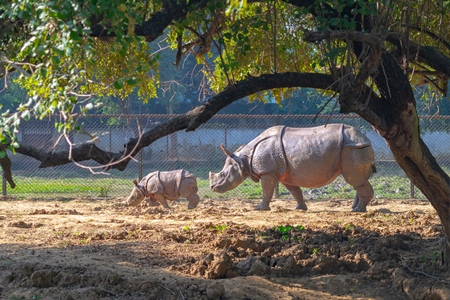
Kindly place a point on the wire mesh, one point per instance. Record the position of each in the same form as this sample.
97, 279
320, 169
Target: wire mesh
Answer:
198, 152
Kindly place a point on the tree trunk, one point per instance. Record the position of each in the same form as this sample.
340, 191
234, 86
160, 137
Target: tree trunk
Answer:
414, 157
398, 123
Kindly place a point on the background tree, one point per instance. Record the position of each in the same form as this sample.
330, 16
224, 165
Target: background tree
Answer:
369, 54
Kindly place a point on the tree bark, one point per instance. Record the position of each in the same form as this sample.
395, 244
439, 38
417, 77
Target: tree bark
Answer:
398, 123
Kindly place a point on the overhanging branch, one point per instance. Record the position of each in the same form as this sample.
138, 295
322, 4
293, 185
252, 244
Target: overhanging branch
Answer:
189, 121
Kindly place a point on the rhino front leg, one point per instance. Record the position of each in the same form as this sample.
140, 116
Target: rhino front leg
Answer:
188, 190
296, 192
364, 193
161, 199
268, 183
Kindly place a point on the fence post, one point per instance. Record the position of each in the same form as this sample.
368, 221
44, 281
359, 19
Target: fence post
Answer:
411, 190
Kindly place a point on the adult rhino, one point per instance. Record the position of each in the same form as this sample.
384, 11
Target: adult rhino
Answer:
301, 157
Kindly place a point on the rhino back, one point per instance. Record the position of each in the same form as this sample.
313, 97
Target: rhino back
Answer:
354, 138
313, 155
170, 181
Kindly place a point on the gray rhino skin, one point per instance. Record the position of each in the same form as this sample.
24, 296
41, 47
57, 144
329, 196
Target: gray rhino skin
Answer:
301, 157
162, 186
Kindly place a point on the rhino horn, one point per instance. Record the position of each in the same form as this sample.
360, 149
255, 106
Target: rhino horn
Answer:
227, 153
135, 182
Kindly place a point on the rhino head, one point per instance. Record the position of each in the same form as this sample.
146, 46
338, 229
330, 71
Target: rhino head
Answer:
136, 196
231, 176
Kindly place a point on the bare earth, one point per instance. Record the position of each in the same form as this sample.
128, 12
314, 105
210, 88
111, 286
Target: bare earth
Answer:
223, 249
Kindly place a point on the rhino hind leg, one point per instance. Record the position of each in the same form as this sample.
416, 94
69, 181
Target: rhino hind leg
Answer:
364, 193
296, 192
268, 183
357, 166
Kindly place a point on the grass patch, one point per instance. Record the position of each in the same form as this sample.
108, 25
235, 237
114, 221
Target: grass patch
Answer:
101, 187
390, 187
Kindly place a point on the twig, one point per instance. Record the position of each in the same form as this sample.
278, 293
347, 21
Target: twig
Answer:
182, 296
418, 272
167, 289
17, 65
105, 167
323, 106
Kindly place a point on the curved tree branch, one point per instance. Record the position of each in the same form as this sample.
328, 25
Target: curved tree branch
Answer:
189, 121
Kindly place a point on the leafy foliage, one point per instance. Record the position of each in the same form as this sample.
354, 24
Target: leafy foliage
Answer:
67, 52
62, 66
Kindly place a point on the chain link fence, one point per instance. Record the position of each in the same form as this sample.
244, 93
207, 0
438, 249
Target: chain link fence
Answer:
198, 152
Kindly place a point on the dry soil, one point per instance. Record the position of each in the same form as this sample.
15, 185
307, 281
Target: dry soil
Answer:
223, 249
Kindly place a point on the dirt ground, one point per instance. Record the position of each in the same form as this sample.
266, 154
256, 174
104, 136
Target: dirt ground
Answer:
223, 249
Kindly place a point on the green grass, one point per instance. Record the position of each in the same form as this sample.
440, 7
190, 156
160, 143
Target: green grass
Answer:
39, 186
392, 187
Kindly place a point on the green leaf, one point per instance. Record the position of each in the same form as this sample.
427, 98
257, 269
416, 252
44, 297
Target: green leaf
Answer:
132, 81
227, 35
26, 115
118, 85
2, 154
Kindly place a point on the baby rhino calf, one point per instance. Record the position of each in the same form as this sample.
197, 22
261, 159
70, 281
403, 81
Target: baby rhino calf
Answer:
171, 185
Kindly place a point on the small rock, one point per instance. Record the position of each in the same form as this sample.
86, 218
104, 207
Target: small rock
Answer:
259, 268
215, 291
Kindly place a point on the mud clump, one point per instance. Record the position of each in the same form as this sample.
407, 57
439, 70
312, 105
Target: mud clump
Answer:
215, 266
21, 224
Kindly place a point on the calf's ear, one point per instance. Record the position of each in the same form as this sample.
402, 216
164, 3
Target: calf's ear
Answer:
135, 182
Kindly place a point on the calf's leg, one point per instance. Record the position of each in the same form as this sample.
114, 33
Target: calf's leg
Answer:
161, 199
188, 189
296, 192
193, 200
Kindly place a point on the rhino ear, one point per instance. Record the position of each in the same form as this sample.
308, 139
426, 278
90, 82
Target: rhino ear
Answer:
135, 182
227, 153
